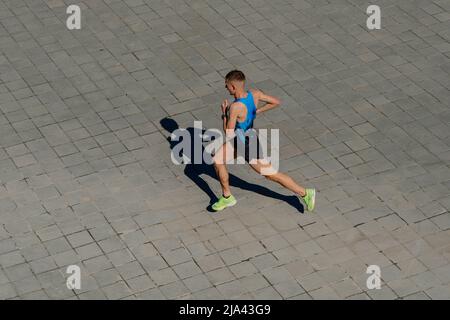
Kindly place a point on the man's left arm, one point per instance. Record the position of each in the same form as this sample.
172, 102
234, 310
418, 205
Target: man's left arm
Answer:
231, 123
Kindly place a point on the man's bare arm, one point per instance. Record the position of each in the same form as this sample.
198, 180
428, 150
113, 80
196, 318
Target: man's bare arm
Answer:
231, 123
225, 120
271, 102
225, 111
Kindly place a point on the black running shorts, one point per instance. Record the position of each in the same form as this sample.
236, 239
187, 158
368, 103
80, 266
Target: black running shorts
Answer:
250, 149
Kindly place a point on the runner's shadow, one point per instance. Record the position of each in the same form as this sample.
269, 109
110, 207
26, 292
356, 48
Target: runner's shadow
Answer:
194, 171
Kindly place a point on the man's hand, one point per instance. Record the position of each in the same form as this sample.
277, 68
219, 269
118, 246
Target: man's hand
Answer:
224, 106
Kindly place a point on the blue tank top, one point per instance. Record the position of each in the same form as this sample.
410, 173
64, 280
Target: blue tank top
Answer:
251, 113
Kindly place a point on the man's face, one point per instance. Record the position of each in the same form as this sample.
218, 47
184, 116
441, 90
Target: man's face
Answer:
230, 87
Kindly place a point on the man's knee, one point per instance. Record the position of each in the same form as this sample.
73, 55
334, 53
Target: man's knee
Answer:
271, 176
222, 156
218, 159
268, 171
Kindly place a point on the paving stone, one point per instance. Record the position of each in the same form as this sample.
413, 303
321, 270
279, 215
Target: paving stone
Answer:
34, 252
384, 293
66, 258
120, 257
324, 293
417, 296
197, 283
254, 282
309, 248
252, 249
93, 295
289, 289
140, 283
11, 259
117, 291
277, 275
88, 251
439, 293
152, 294
35, 295
267, 293
107, 277
164, 276
442, 273
79, 239
210, 262
174, 290
264, 261
130, 270
42, 265
220, 276
7, 291
232, 289
209, 294
243, 269
187, 269
403, 287
346, 288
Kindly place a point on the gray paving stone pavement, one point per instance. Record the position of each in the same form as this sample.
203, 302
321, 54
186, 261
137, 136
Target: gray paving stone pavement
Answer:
86, 176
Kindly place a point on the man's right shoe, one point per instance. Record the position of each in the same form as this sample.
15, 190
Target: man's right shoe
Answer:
223, 203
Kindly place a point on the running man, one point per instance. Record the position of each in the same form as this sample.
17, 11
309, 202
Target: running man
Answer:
240, 115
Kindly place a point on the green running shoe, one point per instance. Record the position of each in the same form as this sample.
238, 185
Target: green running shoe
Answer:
310, 199
223, 203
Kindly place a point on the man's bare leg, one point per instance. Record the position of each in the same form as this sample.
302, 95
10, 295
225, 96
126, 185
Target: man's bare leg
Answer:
279, 177
288, 183
222, 173
223, 155
266, 169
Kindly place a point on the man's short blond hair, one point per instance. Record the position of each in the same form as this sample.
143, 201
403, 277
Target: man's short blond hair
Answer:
235, 75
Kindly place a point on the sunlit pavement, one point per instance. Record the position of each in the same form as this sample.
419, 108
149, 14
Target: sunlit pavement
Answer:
86, 176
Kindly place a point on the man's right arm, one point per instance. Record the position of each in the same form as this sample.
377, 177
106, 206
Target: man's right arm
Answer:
225, 120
